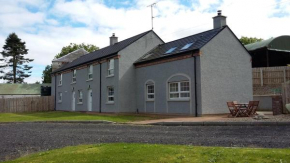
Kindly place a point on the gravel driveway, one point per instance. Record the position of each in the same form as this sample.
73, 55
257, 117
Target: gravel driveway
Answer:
25, 138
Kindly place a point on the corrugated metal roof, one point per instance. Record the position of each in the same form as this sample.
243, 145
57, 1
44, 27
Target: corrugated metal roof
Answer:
104, 52
21, 89
281, 43
258, 45
197, 40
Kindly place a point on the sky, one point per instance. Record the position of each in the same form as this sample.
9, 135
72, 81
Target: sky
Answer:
48, 25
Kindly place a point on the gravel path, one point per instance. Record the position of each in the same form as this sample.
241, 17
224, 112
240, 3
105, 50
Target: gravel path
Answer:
22, 139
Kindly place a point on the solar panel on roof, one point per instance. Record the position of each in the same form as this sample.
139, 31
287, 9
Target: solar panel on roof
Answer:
186, 46
170, 50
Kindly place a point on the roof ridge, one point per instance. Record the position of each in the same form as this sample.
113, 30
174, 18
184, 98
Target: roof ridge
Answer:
103, 52
124, 40
196, 34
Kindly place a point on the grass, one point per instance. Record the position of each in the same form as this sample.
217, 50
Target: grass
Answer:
64, 116
122, 152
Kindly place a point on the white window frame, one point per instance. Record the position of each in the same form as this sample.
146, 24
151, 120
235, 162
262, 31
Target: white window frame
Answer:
90, 72
59, 97
80, 96
110, 96
111, 66
60, 80
179, 92
74, 76
148, 94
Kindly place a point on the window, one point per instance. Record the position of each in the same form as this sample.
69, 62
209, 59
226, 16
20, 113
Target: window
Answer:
80, 96
110, 94
170, 50
90, 72
111, 67
60, 80
59, 97
150, 92
74, 78
179, 90
186, 46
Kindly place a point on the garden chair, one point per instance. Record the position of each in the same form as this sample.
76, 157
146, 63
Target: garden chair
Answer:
252, 108
233, 108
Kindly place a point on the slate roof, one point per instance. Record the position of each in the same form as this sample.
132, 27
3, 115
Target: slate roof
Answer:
198, 40
71, 56
101, 53
21, 89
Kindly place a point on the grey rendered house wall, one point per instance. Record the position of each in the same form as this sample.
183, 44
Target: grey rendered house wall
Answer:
161, 75
53, 86
226, 73
127, 76
110, 81
82, 83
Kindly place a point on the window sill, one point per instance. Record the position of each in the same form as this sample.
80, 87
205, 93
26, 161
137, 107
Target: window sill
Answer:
79, 103
59, 85
109, 76
59, 102
110, 103
89, 80
73, 83
150, 100
178, 100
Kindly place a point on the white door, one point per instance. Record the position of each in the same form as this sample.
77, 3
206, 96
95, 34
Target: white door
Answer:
90, 99
73, 101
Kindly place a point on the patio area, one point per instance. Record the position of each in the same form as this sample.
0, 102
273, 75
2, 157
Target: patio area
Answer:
267, 117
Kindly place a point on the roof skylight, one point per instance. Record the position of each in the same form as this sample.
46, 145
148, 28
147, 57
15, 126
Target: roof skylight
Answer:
186, 46
170, 50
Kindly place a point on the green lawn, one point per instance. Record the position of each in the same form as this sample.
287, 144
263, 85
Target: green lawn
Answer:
63, 116
127, 153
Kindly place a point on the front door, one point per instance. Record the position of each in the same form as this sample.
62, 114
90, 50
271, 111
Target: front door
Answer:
90, 99
73, 101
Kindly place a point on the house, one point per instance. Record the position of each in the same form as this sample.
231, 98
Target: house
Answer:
59, 62
195, 75
270, 53
21, 90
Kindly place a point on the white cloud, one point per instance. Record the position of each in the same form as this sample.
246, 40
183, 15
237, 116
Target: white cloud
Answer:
47, 29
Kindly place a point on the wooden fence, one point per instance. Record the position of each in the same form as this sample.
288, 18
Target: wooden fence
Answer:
270, 75
26, 104
285, 95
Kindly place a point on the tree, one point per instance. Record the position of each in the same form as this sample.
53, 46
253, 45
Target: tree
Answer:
64, 51
249, 40
46, 74
15, 68
73, 46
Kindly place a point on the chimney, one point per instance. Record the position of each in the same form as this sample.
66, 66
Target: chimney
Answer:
113, 39
219, 20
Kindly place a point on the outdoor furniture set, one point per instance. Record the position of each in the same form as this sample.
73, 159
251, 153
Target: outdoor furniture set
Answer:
243, 109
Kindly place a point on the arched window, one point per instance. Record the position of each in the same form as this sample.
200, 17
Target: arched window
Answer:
179, 87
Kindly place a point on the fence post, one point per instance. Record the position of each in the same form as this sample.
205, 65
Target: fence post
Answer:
284, 71
261, 75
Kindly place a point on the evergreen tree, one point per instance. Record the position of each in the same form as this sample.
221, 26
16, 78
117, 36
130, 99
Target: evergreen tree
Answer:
15, 68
